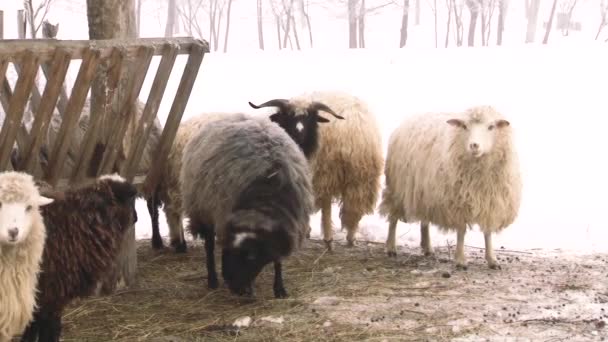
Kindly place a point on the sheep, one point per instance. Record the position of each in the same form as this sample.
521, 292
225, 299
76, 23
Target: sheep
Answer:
85, 227
169, 186
347, 165
244, 179
22, 239
452, 170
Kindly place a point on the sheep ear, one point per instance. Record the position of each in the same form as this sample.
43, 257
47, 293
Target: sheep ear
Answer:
276, 117
123, 191
42, 201
456, 122
502, 123
321, 119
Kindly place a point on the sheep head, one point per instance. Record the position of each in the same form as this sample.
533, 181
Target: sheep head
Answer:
19, 202
300, 121
254, 240
478, 129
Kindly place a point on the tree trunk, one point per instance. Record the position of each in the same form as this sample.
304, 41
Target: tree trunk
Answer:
288, 24
308, 23
532, 11
278, 21
502, 12
447, 30
227, 26
458, 18
352, 24
474, 9
138, 17
361, 24
404, 20
550, 23
435, 15
484, 24
113, 19
417, 13
295, 33
260, 26
171, 14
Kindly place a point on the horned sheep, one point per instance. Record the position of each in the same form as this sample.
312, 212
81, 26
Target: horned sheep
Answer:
347, 162
85, 227
22, 239
452, 170
246, 181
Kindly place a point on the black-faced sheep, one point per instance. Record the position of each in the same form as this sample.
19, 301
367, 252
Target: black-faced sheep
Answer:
85, 227
453, 170
244, 179
22, 238
347, 164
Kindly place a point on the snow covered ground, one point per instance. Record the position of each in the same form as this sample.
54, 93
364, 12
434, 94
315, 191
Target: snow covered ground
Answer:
554, 97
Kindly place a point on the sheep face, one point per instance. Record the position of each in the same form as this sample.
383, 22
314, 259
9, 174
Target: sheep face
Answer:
300, 121
123, 193
477, 134
16, 218
247, 251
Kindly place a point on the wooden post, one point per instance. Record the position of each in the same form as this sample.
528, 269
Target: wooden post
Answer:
1, 24
21, 24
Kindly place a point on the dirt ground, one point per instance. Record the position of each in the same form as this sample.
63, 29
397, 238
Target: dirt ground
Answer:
358, 294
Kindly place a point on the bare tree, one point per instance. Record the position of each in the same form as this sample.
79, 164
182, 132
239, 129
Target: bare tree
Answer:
502, 13
550, 22
457, 7
112, 19
35, 17
417, 13
474, 7
604, 17
487, 12
352, 24
227, 26
304, 6
190, 12
404, 21
286, 12
532, 7
171, 18
564, 19
449, 4
260, 25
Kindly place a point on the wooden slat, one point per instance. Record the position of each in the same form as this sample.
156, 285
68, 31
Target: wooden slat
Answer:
3, 68
14, 116
127, 108
5, 98
149, 113
72, 114
35, 98
43, 116
93, 132
63, 96
175, 115
43, 48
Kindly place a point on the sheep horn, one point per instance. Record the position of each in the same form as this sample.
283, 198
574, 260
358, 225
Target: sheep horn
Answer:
283, 104
321, 106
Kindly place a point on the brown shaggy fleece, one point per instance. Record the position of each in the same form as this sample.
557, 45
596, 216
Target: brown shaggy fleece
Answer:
84, 229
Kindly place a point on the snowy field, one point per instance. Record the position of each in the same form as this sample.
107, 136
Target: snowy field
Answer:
553, 96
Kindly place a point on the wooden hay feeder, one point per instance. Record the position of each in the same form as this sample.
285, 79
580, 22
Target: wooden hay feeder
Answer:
116, 69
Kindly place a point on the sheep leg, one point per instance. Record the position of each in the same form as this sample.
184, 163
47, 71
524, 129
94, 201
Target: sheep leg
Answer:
209, 232
350, 219
326, 223
391, 249
278, 287
33, 329
157, 240
461, 263
176, 230
425, 239
490, 258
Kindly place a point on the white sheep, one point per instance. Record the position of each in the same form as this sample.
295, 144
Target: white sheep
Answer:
22, 240
453, 170
346, 161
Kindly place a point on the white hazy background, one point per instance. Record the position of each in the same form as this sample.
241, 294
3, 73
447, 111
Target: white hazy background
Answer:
554, 95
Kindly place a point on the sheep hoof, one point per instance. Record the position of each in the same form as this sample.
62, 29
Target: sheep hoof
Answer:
181, 247
494, 266
461, 267
391, 254
329, 245
280, 293
157, 243
212, 283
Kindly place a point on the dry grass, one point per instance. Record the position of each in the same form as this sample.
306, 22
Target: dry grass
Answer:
172, 299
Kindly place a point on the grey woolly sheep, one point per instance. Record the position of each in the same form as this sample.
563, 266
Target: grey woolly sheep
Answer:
347, 164
169, 186
453, 170
22, 238
244, 179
